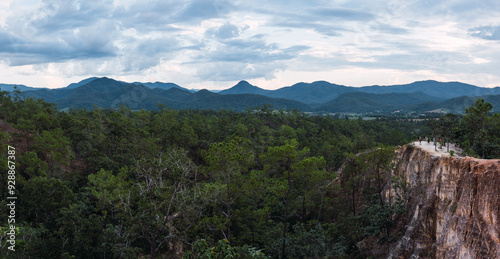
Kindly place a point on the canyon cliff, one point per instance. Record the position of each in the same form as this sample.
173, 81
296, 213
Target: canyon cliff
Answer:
452, 206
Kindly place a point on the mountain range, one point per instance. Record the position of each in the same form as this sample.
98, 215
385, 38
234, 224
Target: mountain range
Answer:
10, 87
322, 91
319, 96
109, 93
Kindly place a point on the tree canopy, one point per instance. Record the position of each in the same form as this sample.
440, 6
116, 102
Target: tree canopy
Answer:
119, 183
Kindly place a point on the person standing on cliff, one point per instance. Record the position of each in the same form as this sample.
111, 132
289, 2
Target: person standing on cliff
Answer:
420, 140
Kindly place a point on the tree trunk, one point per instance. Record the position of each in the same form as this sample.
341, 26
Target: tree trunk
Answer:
152, 250
320, 207
353, 197
379, 185
285, 216
103, 253
228, 225
304, 208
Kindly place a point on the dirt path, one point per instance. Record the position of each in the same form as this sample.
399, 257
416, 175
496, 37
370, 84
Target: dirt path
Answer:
436, 151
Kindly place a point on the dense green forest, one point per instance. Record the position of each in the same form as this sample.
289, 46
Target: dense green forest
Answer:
477, 132
263, 183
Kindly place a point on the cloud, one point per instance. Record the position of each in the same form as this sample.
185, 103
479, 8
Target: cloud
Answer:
325, 20
83, 43
231, 71
159, 14
225, 31
340, 14
251, 50
389, 29
325, 29
486, 32
55, 16
58, 31
198, 10
236, 59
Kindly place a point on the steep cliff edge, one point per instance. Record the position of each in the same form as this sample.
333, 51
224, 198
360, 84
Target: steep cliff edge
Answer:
453, 206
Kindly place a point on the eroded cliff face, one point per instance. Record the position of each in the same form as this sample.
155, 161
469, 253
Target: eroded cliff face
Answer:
453, 206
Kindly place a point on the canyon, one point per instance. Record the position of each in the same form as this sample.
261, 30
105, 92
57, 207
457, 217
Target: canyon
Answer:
452, 206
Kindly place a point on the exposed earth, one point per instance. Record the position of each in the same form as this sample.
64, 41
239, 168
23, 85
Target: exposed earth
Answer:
438, 150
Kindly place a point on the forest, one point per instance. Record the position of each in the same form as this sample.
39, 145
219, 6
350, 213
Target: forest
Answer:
118, 183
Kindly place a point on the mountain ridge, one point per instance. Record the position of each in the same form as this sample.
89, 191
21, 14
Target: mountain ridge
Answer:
419, 96
319, 92
361, 102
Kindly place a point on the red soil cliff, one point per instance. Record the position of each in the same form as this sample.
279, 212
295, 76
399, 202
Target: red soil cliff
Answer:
453, 206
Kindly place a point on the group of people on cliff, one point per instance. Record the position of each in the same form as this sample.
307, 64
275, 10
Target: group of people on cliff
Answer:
428, 140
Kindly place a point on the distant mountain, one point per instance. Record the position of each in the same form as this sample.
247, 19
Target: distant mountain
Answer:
419, 96
10, 87
159, 85
360, 102
174, 93
164, 86
243, 87
105, 93
320, 92
109, 93
83, 82
312, 93
457, 105
445, 90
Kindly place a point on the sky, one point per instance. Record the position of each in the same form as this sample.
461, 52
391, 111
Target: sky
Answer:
213, 44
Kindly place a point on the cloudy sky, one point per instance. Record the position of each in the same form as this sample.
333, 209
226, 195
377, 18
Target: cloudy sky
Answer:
215, 43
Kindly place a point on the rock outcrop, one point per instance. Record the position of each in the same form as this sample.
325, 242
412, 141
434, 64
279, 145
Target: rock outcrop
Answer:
453, 206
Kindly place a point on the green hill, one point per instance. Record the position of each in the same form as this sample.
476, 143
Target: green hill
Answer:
458, 105
359, 102
241, 102
445, 90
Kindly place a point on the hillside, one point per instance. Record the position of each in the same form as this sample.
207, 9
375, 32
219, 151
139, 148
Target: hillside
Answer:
240, 102
160, 85
359, 102
174, 93
457, 105
312, 93
83, 82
